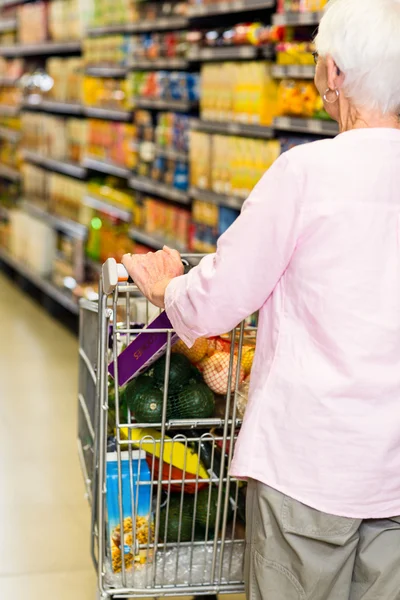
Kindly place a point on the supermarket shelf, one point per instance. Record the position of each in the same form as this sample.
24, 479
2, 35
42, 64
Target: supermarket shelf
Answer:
229, 128
44, 49
142, 64
293, 71
8, 81
219, 199
297, 18
222, 8
108, 114
154, 241
72, 228
223, 53
161, 24
156, 104
9, 134
40, 282
9, 111
9, 173
316, 126
172, 154
67, 168
103, 71
7, 25
64, 108
107, 207
149, 186
106, 167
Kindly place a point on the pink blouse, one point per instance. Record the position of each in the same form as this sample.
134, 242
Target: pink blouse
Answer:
317, 251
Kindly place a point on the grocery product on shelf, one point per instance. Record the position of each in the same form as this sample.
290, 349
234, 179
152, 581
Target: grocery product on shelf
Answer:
120, 12
242, 92
154, 45
209, 222
107, 235
299, 98
229, 165
11, 68
115, 94
295, 53
242, 34
164, 85
164, 219
67, 76
114, 142
300, 5
9, 154
110, 50
32, 242
55, 137
10, 96
68, 266
57, 20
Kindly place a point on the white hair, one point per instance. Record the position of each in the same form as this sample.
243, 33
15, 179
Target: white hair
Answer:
363, 38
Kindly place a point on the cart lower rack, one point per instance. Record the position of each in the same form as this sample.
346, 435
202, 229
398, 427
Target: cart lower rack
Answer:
167, 517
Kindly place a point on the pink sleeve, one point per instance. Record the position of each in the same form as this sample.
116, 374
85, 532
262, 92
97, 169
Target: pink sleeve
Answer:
251, 257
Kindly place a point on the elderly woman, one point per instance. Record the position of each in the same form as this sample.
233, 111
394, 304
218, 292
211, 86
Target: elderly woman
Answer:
317, 251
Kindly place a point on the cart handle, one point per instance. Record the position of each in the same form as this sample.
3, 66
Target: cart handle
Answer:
112, 273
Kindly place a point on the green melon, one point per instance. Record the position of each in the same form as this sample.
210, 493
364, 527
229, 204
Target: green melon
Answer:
148, 406
194, 401
180, 372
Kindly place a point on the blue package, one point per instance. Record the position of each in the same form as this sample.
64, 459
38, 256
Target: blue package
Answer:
227, 216
139, 511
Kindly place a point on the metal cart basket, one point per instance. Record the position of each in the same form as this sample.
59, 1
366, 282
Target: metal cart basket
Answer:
167, 517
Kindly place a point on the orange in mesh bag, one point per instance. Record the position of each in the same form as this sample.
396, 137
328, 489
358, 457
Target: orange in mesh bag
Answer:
216, 373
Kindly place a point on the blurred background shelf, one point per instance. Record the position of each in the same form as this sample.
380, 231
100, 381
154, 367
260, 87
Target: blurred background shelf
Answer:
72, 228
160, 24
293, 71
108, 114
62, 297
53, 106
9, 173
104, 71
221, 8
108, 207
65, 167
158, 104
9, 111
313, 126
7, 25
158, 64
219, 199
154, 241
297, 18
144, 184
45, 48
229, 128
109, 168
223, 53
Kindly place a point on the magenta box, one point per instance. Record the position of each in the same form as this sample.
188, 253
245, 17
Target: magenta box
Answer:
144, 350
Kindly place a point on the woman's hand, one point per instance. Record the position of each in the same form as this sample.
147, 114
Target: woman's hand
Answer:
152, 272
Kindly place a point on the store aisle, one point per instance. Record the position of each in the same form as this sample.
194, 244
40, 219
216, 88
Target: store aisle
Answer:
44, 517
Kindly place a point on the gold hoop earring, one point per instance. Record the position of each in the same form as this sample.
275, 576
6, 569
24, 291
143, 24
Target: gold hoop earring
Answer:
331, 91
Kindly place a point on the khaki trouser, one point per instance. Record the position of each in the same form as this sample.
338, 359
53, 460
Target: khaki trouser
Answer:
297, 553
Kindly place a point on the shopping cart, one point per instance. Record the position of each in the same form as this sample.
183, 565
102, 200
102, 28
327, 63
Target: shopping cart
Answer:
167, 517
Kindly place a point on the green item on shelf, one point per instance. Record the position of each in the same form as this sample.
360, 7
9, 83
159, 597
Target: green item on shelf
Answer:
180, 523
180, 371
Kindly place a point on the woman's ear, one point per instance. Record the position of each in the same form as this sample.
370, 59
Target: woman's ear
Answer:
335, 75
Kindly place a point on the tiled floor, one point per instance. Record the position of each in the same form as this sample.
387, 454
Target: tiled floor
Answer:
44, 517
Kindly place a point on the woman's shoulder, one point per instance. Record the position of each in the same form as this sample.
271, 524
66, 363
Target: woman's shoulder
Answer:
304, 152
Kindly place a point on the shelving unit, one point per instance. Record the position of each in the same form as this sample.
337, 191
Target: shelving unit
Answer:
47, 287
149, 186
297, 18
235, 6
9, 111
8, 25
106, 71
171, 105
180, 64
219, 199
107, 207
161, 24
223, 53
230, 128
9, 173
52, 106
44, 49
293, 71
67, 168
72, 228
108, 168
108, 114
154, 241
310, 126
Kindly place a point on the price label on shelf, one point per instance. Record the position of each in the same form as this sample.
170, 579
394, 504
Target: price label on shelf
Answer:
316, 126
